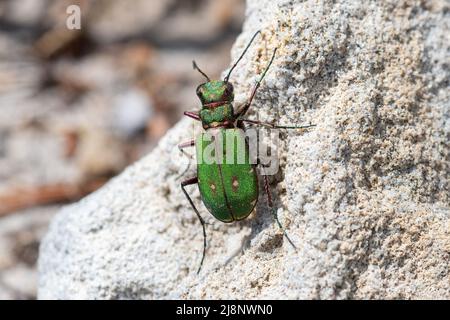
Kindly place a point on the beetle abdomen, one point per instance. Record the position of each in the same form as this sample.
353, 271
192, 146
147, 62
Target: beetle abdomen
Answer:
227, 180
218, 114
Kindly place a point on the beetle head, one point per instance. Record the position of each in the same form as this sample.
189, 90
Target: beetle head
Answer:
215, 91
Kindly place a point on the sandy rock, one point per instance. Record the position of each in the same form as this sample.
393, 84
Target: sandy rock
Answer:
364, 195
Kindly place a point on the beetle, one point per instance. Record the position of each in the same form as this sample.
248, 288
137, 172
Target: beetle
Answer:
229, 190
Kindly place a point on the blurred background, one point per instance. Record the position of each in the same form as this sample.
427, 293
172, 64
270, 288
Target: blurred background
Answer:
78, 106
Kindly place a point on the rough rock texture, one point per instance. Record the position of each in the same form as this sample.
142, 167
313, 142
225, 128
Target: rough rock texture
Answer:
364, 195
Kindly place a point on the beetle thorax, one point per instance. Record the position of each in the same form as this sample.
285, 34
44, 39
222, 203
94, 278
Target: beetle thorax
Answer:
217, 104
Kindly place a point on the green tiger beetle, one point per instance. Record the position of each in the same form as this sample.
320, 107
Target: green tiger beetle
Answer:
229, 190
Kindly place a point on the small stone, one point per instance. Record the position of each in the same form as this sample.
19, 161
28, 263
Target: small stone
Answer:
366, 190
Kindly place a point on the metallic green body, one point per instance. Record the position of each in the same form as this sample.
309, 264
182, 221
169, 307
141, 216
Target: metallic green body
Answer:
214, 91
226, 177
229, 184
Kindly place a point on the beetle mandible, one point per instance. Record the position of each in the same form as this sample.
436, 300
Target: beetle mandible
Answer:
229, 190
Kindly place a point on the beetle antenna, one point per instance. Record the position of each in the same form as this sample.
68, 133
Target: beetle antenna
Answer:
242, 55
195, 66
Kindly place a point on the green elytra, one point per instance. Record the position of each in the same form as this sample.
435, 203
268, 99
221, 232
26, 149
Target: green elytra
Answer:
228, 187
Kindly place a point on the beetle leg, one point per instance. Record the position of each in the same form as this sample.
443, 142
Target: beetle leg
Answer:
183, 185
181, 147
193, 115
274, 126
242, 110
274, 211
